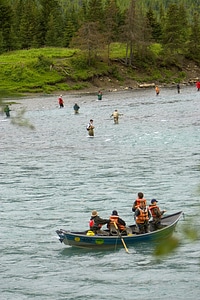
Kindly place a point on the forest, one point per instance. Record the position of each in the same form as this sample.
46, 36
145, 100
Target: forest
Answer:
153, 33
175, 25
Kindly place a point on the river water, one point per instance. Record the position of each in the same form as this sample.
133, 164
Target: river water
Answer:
54, 176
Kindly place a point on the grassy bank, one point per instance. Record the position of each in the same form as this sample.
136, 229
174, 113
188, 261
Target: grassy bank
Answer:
48, 70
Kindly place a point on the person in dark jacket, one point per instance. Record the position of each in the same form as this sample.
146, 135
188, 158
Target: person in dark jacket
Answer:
76, 108
7, 111
114, 218
178, 88
117, 225
96, 223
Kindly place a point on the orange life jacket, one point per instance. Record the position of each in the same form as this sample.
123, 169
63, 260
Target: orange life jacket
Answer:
143, 216
151, 207
137, 202
114, 219
154, 215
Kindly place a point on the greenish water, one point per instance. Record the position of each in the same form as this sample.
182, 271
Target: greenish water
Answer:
53, 178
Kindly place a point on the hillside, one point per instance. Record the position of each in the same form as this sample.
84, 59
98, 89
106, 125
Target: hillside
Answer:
50, 70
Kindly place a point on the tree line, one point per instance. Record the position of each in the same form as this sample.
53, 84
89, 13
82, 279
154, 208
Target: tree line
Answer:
93, 25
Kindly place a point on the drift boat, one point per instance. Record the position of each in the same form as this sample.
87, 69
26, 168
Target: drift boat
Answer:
82, 240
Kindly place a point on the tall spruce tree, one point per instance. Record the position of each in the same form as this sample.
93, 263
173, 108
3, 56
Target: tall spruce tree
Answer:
175, 32
28, 23
6, 17
194, 39
95, 11
51, 22
156, 30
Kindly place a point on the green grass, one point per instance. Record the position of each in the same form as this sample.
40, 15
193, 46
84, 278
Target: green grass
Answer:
47, 70
33, 70
117, 50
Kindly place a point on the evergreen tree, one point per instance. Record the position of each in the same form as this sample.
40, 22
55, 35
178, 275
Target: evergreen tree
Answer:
194, 39
72, 22
155, 26
28, 23
6, 15
68, 33
95, 11
51, 15
175, 30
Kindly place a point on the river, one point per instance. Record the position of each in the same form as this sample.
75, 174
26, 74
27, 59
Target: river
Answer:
54, 176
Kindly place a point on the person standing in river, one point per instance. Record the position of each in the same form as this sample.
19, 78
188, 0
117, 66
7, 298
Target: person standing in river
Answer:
178, 88
76, 108
198, 85
60, 101
90, 128
7, 111
115, 116
99, 95
157, 90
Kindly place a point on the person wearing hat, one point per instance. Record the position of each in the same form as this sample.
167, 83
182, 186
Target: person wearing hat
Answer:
96, 223
121, 224
156, 214
114, 218
142, 216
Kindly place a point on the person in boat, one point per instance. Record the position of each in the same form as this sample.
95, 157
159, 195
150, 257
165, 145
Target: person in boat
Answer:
157, 90
142, 216
156, 214
60, 101
99, 95
96, 223
7, 111
137, 201
115, 116
76, 108
90, 128
121, 224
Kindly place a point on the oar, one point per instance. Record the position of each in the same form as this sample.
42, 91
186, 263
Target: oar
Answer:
121, 238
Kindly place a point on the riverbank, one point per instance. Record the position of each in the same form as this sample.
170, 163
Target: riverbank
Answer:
58, 70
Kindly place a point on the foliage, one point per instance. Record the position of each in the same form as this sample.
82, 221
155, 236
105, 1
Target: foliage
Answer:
20, 120
168, 246
49, 69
